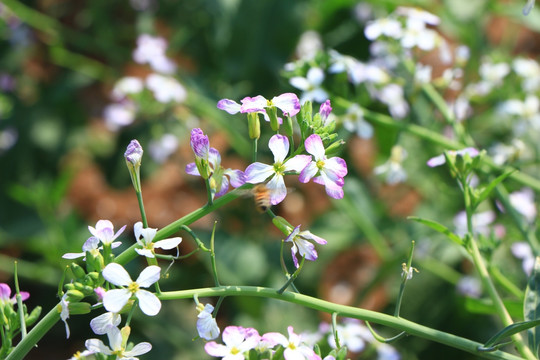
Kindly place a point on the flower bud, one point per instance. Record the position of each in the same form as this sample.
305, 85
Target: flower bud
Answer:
272, 114
77, 271
133, 156
30, 319
74, 296
254, 125
79, 308
283, 225
288, 126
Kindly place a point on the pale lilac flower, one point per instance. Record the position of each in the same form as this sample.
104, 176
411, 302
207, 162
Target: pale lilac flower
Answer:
5, 292
126, 86
441, 159
295, 349
145, 237
387, 352
353, 121
118, 345
528, 7
301, 244
311, 85
326, 171
238, 340
64, 312
325, 110
523, 202
230, 106
151, 50
114, 300
393, 168
288, 103
469, 286
223, 177
480, 222
383, 27
522, 250
166, 89
8, 138
259, 172
104, 231
101, 324
89, 245
163, 147
206, 323
353, 334
392, 95
119, 115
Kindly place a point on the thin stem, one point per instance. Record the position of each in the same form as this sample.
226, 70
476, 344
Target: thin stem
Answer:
20, 308
213, 256
141, 208
334, 329
405, 277
409, 327
254, 153
209, 192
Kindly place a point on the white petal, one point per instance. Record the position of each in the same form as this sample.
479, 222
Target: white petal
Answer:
73, 255
148, 302
139, 349
300, 83
297, 163
97, 346
100, 325
149, 276
137, 229
114, 300
116, 274
258, 172
277, 188
279, 145
315, 147
145, 252
168, 244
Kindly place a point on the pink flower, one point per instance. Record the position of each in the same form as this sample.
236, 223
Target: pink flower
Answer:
288, 103
5, 293
328, 172
238, 340
259, 172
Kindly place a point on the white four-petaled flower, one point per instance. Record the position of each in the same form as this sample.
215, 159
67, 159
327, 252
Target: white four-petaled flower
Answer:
145, 239
117, 346
301, 244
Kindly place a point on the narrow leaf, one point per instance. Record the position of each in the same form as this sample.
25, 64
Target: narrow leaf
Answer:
488, 189
531, 304
511, 330
439, 228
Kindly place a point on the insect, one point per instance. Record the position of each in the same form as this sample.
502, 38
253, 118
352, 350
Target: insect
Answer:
261, 195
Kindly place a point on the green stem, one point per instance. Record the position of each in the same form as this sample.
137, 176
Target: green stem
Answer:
213, 256
409, 327
254, 155
141, 208
209, 191
37, 332
20, 308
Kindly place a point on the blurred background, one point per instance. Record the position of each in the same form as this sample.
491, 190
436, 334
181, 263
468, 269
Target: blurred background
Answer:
65, 121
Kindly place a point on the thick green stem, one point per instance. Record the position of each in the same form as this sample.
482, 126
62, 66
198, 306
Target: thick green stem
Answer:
37, 332
401, 324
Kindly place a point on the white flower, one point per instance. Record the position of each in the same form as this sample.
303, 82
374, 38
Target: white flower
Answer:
419, 15
469, 286
117, 341
238, 340
114, 300
387, 352
352, 334
392, 95
104, 231
145, 239
309, 45
480, 222
393, 168
494, 73
417, 35
82, 354
528, 113
119, 115
386, 26
166, 88
353, 121
163, 147
64, 312
206, 323
151, 50
523, 202
126, 85
522, 250
311, 85
529, 71
295, 349
101, 324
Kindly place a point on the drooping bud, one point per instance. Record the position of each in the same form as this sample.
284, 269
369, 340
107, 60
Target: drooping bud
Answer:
283, 225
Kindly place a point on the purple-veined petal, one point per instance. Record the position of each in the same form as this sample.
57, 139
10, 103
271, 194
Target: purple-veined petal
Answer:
199, 143
277, 188
139, 349
252, 340
149, 276
309, 236
214, 158
214, 349
336, 165
191, 169
90, 244
279, 145
308, 172
332, 188
306, 248
145, 252
288, 103
253, 104
436, 161
315, 147
325, 110
148, 302
237, 177
224, 186
114, 300
116, 275
230, 106
100, 325
293, 233
258, 172
98, 346
297, 163
294, 251
72, 256
168, 244
118, 233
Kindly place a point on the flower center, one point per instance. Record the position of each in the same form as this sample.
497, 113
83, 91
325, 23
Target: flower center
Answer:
235, 350
320, 164
279, 168
133, 287
292, 346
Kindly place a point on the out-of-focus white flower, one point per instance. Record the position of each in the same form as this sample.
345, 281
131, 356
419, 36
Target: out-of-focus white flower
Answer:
480, 222
309, 45
418, 15
353, 121
383, 27
311, 85
206, 323
502, 153
162, 148
469, 286
393, 168
417, 35
522, 250
392, 96
523, 202
387, 352
461, 108
422, 74
125, 86
494, 73
529, 71
353, 334
462, 55
151, 50
119, 115
363, 11
527, 111
8, 138
166, 88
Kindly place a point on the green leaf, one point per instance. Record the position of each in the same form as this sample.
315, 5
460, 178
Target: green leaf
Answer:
531, 304
439, 228
511, 330
484, 193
